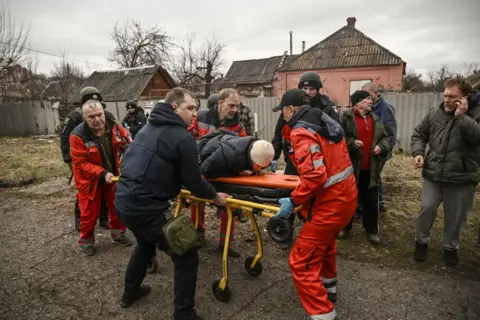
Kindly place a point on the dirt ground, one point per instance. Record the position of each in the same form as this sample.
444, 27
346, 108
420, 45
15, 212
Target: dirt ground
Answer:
43, 275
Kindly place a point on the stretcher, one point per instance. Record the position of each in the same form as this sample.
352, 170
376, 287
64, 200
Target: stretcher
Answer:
254, 195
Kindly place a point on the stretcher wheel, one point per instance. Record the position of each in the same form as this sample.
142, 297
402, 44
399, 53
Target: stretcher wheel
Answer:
153, 266
257, 269
222, 295
279, 229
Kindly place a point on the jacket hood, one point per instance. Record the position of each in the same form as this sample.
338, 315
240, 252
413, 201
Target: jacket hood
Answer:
163, 114
319, 121
474, 100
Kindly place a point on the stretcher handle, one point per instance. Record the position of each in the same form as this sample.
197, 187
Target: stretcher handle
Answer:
115, 179
238, 202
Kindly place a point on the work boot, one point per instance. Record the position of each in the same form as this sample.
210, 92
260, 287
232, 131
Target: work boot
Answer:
242, 218
373, 238
88, 250
421, 252
231, 252
123, 240
343, 234
450, 257
104, 224
381, 208
128, 300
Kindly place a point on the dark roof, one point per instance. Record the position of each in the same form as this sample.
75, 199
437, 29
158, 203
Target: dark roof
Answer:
257, 70
122, 85
474, 80
347, 47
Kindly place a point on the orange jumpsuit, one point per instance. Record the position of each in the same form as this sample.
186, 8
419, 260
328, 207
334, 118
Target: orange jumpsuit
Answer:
328, 193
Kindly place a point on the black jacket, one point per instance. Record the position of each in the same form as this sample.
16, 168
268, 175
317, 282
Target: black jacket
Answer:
72, 120
224, 154
135, 121
156, 165
323, 103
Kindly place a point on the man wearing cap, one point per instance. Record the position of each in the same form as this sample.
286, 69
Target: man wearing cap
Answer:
328, 194
134, 119
72, 120
367, 145
223, 116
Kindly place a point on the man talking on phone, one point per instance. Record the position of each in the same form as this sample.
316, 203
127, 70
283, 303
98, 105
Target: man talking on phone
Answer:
450, 167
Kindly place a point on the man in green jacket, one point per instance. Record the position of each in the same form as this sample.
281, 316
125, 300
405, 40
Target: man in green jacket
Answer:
367, 145
450, 168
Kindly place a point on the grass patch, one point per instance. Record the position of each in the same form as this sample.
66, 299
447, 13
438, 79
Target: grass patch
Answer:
402, 195
31, 157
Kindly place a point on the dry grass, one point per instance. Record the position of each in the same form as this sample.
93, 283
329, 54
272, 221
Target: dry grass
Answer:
25, 158
402, 188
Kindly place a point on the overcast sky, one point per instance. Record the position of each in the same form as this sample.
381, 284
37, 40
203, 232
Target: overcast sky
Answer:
424, 33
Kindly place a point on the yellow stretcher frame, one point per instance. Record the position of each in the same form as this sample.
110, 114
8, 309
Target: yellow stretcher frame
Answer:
253, 265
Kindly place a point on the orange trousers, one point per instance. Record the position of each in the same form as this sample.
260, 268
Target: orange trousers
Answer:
90, 212
313, 260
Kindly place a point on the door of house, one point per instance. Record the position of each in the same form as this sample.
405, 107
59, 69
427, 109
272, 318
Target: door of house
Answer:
357, 85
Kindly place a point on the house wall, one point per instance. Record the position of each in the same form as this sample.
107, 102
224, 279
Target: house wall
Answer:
336, 82
157, 88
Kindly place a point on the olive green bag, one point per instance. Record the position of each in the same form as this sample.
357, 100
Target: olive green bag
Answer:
180, 233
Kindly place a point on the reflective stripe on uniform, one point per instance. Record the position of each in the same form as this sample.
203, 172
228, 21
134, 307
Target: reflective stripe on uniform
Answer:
330, 285
339, 177
89, 144
315, 148
318, 163
326, 316
206, 126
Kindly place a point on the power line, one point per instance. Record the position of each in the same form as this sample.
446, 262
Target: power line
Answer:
55, 55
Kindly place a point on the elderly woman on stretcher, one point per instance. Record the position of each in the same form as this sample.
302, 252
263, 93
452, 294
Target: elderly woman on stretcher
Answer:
225, 154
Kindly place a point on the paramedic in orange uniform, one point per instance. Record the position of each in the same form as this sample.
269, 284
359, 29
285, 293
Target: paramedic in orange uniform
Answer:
328, 193
223, 116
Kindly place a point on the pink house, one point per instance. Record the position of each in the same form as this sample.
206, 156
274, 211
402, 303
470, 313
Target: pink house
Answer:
345, 61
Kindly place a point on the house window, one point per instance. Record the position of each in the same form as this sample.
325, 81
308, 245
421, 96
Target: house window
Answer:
357, 85
267, 90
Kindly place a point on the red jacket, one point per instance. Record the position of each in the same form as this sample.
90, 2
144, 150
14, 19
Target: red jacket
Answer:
87, 162
207, 121
324, 167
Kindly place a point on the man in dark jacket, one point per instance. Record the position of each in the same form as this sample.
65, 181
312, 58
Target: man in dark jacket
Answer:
135, 118
386, 112
225, 154
450, 168
311, 83
153, 170
72, 120
367, 144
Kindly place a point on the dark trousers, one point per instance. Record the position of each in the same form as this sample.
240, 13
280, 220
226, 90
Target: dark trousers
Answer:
148, 233
290, 168
103, 211
369, 198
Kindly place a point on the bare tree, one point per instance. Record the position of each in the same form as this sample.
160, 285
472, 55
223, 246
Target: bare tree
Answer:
13, 41
66, 77
198, 63
412, 81
468, 69
136, 46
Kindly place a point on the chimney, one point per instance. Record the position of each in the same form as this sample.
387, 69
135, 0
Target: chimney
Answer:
351, 22
303, 46
285, 53
291, 42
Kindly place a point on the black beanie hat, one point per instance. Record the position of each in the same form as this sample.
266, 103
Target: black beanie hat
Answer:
358, 96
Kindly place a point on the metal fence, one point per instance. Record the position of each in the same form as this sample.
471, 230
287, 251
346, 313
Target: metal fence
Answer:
29, 118
37, 117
